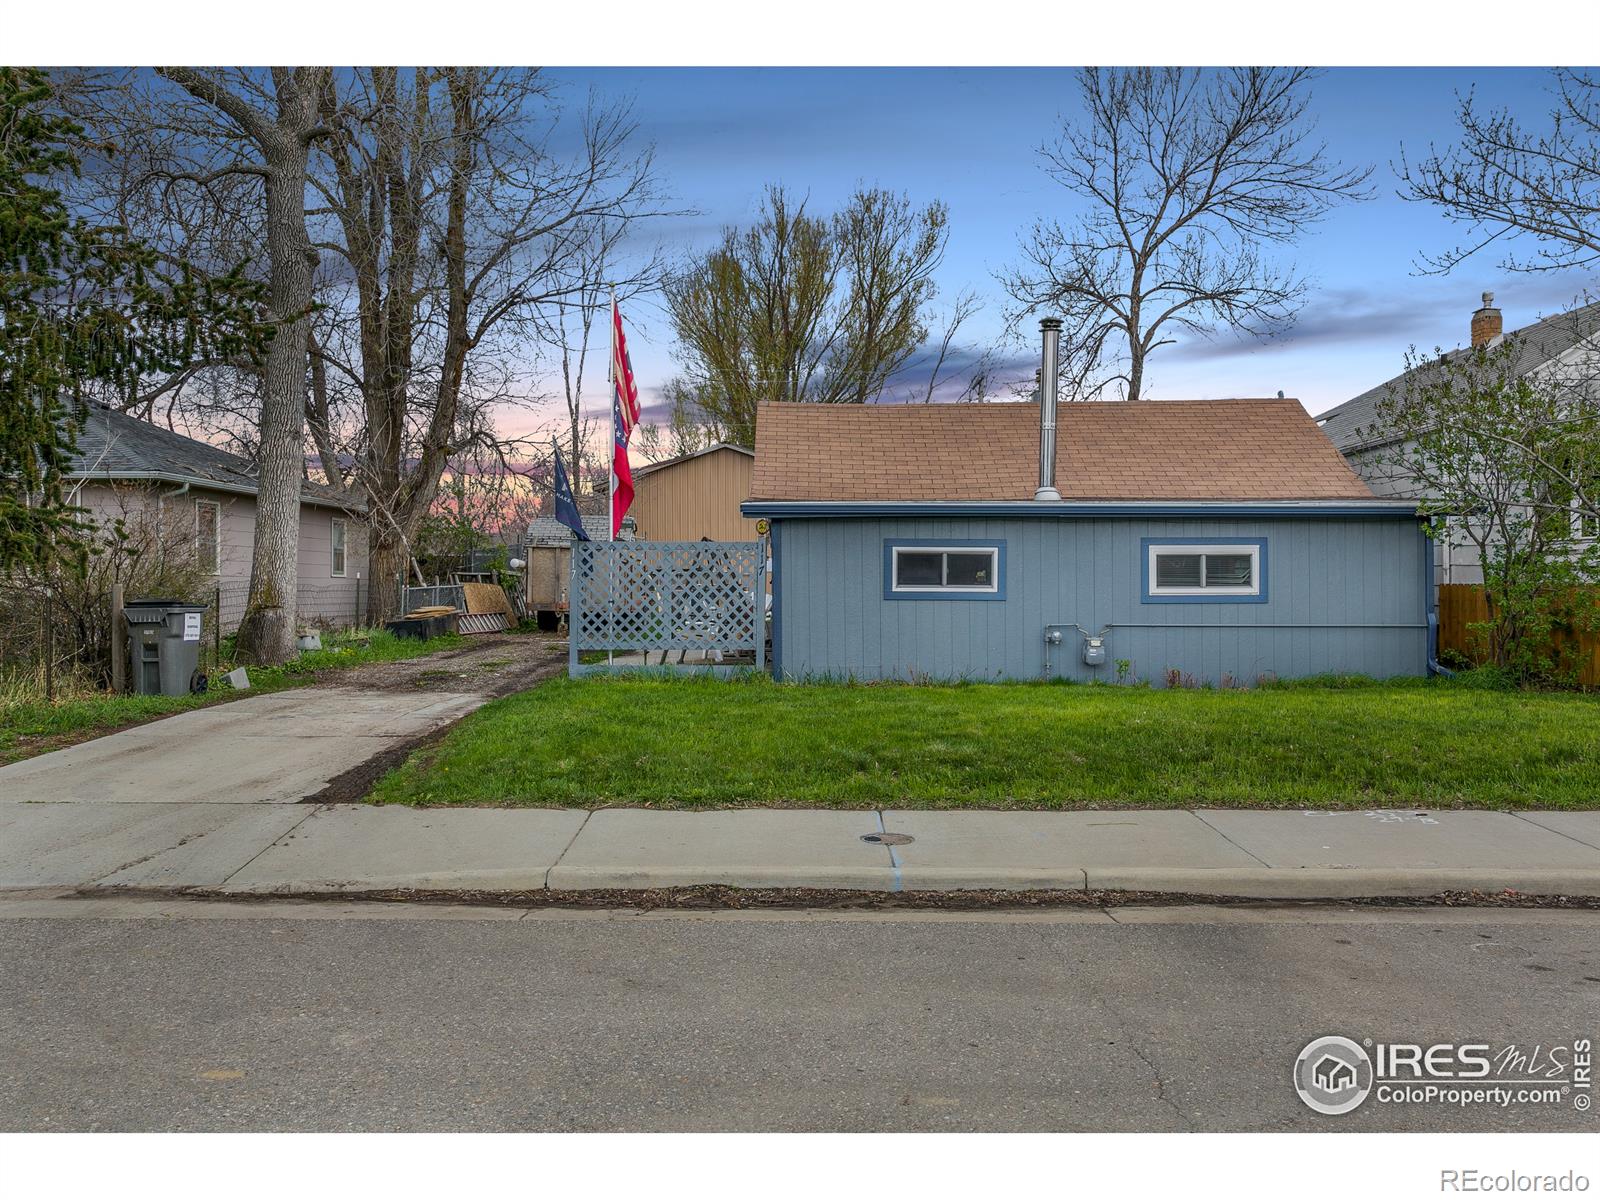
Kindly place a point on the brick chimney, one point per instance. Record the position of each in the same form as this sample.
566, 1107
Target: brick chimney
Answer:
1486, 323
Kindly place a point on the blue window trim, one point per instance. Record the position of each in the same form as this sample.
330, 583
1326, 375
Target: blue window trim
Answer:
996, 544
1145, 596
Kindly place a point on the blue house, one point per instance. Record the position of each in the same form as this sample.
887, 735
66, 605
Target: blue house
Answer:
1219, 541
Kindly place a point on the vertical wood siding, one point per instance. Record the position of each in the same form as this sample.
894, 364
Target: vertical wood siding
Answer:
696, 498
1463, 605
1344, 595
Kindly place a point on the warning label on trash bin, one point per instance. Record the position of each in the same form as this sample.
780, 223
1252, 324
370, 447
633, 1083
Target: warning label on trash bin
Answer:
191, 627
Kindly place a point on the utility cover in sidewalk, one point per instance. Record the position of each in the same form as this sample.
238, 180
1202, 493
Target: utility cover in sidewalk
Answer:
887, 839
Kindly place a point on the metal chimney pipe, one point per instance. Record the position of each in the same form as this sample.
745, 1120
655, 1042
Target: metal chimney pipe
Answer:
1050, 327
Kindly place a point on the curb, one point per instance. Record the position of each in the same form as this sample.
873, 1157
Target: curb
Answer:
1353, 883
1253, 883
454, 881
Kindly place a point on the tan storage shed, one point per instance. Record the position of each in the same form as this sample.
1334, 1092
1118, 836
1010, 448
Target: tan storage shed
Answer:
547, 548
695, 496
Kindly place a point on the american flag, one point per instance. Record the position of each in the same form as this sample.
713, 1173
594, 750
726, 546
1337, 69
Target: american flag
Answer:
624, 416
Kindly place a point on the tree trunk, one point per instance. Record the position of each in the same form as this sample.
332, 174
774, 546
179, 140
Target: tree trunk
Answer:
387, 563
266, 634
281, 139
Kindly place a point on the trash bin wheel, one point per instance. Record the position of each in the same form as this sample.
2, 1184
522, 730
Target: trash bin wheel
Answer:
198, 682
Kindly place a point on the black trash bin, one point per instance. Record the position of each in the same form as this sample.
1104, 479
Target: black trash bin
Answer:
164, 638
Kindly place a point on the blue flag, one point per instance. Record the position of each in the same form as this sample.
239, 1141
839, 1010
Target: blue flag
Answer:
566, 505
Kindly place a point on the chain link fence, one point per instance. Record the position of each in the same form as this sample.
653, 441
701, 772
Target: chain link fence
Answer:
57, 641
339, 604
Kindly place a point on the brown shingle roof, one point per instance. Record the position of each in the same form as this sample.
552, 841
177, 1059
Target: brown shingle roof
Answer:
1143, 450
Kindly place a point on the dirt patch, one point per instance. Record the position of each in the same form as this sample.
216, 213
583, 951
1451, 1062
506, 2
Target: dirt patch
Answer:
352, 786
490, 664
717, 896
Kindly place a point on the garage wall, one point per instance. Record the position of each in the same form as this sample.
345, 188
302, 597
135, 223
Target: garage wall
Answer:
1344, 595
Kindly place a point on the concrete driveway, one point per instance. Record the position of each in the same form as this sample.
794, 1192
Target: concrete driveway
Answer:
276, 748
201, 793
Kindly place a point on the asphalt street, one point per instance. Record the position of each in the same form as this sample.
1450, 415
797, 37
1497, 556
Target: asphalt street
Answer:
127, 1014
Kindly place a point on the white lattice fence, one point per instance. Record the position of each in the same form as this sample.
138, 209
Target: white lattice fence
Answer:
690, 596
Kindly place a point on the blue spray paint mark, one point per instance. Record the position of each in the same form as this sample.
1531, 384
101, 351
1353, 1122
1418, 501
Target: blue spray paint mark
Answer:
894, 859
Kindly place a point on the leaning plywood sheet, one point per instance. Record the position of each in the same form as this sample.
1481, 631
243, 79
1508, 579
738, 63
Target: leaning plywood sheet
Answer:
486, 598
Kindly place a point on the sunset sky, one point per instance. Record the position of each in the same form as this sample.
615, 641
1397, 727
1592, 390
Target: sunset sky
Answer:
968, 136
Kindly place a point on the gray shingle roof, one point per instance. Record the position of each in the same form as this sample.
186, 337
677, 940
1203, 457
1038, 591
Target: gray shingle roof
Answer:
114, 445
1350, 424
547, 531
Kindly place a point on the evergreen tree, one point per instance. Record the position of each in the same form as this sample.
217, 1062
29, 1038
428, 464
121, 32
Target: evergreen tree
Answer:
85, 312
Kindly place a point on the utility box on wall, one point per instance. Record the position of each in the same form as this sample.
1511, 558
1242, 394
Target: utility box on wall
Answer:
1094, 651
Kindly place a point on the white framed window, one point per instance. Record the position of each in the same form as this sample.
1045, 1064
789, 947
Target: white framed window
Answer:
337, 541
1585, 524
208, 536
917, 569
1204, 570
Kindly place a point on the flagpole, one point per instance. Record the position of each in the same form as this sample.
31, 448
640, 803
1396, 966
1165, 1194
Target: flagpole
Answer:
611, 490
611, 378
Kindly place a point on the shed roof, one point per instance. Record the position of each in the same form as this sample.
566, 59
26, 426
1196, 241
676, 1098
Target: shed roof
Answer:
547, 531
651, 468
114, 445
1355, 423
1119, 450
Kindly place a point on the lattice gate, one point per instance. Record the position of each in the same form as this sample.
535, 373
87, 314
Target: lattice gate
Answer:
705, 597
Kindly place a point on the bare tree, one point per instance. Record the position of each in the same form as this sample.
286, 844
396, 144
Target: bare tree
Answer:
1188, 178
965, 307
1510, 184
273, 120
804, 308
689, 426
461, 218
578, 327
465, 238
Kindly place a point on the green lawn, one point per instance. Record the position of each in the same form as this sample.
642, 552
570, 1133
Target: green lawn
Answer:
703, 743
29, 726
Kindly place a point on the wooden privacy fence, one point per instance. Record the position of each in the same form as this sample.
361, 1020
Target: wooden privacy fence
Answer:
705, 597
1461, 605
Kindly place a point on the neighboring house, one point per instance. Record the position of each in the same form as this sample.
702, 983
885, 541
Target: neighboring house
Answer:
130, 468
695, 496
1224, 540
1554, 345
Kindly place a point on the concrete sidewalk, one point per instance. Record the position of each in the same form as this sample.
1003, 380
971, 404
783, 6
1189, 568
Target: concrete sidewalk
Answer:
281, 849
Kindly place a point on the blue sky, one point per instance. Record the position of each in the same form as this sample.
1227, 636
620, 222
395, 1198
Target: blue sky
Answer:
968, 136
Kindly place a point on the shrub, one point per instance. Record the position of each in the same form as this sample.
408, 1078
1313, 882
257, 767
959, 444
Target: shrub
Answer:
138, 548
